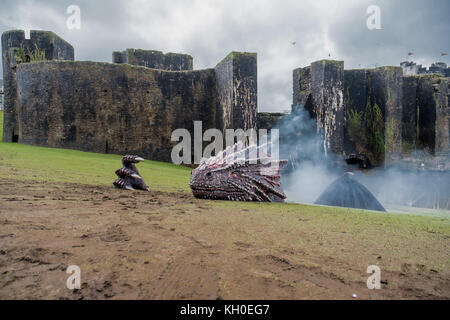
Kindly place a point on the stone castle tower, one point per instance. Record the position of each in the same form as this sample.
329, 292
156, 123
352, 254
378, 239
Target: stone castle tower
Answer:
42, 45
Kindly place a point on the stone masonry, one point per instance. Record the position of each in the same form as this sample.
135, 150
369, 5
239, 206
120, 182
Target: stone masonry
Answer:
16, 48
154, 59
134, 104
383, 115
131, 106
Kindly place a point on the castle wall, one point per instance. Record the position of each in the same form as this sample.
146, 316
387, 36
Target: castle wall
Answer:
224, 81
442, 145
16, 48
409, 114
448, 108
432, 105
121, 108
268, 120
154, 59
426, 106
386, 91
384, 114
301, 88
111, 108
236, 77
355, 101
327, 90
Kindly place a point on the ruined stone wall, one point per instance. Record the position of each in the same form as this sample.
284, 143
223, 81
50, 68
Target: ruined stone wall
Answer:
302, 88
432, 112
425, 109
383, 115
224, 81
355, 101
245, 98
236, 77
409, 115
319, 89
327, 90
111, 108
268, 120
154, 59
442, 145
123, 108
365, 97
131, 106
16, 50
448, 110
386, 92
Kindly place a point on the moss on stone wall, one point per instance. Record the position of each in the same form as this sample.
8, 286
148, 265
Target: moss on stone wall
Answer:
122, 108
268, 120
356, 129
22, 54
375, 131
111, 108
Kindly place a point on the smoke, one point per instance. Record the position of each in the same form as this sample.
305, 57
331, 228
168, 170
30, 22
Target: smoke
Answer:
420, 180
309, 170
397, 186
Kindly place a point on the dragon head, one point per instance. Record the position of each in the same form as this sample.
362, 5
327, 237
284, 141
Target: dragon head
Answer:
242, 175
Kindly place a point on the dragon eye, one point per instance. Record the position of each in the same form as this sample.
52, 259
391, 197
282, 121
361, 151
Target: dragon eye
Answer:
208, 174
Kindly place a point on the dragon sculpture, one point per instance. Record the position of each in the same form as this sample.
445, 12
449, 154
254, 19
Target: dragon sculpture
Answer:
239, 174
129, 177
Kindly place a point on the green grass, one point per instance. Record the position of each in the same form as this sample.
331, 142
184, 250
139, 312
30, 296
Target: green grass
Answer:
1, 125
48, 164
24, 162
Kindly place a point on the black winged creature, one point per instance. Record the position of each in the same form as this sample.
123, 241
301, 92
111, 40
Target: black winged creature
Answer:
129, 177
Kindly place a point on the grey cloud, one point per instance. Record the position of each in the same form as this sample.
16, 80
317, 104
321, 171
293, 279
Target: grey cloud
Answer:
209, 30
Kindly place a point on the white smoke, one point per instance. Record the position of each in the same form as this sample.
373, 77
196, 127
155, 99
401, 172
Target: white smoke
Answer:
416, 183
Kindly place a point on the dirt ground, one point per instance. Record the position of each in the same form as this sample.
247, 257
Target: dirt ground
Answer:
138, 245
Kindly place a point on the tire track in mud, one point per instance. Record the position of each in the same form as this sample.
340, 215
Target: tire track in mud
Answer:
187, 276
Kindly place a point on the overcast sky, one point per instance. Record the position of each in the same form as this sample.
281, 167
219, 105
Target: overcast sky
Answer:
208, 30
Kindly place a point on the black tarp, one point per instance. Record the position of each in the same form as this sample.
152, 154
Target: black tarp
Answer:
347, 192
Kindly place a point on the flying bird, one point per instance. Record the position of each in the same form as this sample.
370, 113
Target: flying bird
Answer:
410, 53
444, 54
293, 43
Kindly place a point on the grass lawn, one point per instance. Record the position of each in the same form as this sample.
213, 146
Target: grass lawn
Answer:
19, 161
1, 125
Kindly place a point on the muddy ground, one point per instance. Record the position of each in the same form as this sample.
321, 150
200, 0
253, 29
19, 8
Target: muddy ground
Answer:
138, 245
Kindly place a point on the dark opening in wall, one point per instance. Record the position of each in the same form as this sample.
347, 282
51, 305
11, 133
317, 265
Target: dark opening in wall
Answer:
15, 138
358, 159
27, 58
